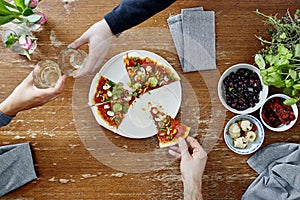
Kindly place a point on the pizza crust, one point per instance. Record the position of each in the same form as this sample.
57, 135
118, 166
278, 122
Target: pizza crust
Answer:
175, 139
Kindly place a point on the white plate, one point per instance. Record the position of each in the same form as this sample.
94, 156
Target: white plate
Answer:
137, 122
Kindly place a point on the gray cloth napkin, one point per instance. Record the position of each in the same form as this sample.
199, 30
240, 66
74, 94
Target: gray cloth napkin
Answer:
278, 166
193, 33
16, 167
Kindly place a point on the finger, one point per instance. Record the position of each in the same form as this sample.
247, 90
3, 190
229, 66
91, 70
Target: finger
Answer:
29, 79
77, 43
60, 84
198, 151
175, 154
54, 92
175, 148
183, 148
92, 63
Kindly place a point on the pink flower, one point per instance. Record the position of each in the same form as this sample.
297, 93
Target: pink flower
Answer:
33, 3
44, 18
25, 42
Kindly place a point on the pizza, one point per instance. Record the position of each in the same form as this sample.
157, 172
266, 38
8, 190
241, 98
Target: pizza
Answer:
146, 74
168, 129
113, 112
113, 100
108, 90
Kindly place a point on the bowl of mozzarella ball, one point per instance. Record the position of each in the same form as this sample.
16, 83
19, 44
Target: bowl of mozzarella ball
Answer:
244, 134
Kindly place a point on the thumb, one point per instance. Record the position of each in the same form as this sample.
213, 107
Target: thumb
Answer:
77, 43
29, 79
183, 148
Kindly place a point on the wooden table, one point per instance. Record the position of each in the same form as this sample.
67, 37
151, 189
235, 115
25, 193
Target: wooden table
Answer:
66, 164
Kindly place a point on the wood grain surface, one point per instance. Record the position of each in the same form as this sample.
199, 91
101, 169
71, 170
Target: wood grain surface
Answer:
59, 132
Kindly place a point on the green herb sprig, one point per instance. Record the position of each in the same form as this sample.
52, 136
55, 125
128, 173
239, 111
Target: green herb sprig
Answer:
279, 60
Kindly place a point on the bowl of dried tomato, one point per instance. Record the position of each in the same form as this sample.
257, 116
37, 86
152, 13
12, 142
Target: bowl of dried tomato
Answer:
277, 116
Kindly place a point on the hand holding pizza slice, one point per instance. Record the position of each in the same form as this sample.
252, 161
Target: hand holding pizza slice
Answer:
168, 129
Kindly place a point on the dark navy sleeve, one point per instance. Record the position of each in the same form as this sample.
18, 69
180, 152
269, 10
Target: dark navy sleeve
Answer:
130, 13
4, 119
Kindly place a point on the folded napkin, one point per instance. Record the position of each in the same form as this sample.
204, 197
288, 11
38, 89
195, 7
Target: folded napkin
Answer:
16, 167
278, 166
193, 33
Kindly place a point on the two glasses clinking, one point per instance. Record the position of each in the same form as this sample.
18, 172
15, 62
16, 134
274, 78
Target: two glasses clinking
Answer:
46, 73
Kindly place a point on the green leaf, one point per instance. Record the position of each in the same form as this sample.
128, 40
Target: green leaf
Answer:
270, 59
282, 36
294, 92
26, 52
28, 11
296, 86
33, 18
259, 60
3, 10
20, 4
297, 51
289, 83
291, 101
274, 79
284, 52
271, 69
10, 40
293, 74
281, 60
6, 19
287, 91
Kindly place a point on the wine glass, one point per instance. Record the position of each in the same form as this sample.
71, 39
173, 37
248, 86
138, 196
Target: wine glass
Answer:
71, 61
46, 73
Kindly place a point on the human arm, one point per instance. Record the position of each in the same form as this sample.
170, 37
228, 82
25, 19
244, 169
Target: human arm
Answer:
26, 96
126, 15
130, 13
192, 166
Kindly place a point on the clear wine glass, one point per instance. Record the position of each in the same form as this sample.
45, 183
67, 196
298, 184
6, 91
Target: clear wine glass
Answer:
46, 73
71, 61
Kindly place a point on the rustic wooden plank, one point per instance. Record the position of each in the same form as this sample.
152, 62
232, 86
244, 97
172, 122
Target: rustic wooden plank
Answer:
65, 167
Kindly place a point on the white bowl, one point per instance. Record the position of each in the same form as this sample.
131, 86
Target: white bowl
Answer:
252, 146
282, 127
221, 93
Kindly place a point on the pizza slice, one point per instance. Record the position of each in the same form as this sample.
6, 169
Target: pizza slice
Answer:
168, 129
108, 90
113, 112
147, 74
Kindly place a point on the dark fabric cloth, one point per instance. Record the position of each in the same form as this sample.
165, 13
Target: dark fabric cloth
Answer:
4, 119
278, 166
130, 13
16, 167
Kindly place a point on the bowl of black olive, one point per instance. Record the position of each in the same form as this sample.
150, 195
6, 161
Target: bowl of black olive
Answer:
241, 89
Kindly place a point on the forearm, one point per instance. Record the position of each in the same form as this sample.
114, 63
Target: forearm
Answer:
8, 108
5, 118
130, 13
192, 191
